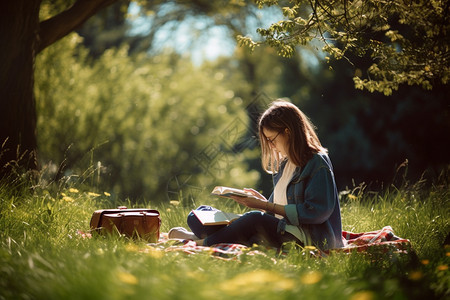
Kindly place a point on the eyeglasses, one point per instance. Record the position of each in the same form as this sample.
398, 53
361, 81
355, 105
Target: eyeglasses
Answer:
272, 141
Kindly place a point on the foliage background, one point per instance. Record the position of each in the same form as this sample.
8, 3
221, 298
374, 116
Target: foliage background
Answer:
141, 120
135, 123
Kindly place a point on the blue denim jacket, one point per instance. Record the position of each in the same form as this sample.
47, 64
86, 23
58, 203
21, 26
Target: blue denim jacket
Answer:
313, 203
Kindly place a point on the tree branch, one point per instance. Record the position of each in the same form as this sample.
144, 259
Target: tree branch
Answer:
57, 27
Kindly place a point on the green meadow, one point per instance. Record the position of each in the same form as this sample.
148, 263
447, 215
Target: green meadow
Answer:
42, 255
153, 103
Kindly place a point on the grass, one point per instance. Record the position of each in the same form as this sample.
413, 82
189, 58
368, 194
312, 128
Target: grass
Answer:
43, 257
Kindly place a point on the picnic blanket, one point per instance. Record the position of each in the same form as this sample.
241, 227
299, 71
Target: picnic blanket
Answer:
379, 240
223, 250
383, 239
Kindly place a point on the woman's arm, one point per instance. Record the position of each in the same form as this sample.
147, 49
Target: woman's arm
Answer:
277, 209
260, 202
319, 200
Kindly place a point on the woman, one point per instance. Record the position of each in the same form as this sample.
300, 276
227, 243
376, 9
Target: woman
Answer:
304, 206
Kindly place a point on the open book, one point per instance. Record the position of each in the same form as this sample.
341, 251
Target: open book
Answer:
216, 217
223, 191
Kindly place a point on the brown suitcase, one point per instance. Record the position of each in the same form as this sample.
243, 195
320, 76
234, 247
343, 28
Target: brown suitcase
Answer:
138, 223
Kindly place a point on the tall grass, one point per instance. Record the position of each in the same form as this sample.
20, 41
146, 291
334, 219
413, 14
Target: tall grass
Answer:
43, 257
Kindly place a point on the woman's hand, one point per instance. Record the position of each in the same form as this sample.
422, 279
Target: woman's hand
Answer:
256, 200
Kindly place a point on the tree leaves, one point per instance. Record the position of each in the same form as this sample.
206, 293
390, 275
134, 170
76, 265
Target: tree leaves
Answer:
406, 41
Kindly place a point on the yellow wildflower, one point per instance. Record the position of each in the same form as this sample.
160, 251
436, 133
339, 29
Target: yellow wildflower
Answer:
415, 275
107, 194
127, 278
73, 190
154, 252
311, 277
93, 194
310, 248
174, 202
442, 268
68, 199
352, 197
131, 247
256, 281
363, 295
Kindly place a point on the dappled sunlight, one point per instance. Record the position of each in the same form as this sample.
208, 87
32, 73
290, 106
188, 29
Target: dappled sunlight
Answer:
259, 281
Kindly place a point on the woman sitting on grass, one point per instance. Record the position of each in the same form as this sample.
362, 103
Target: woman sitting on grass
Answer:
304, 206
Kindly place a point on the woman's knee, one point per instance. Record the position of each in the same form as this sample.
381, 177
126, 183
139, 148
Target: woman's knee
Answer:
200, 230
192, 219
252, 216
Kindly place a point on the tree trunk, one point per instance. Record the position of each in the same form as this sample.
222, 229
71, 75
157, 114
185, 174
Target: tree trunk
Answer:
21, 38
19, 23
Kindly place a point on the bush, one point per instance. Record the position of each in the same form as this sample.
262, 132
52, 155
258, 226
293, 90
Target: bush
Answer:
138, 127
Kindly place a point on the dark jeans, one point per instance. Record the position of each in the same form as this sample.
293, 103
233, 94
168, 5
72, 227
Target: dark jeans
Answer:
254, 227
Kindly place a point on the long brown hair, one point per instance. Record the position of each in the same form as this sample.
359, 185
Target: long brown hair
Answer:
287, 119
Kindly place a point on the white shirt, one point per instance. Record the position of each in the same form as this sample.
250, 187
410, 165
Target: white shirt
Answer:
280, 197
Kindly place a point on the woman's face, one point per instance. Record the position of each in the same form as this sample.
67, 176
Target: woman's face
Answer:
277, 140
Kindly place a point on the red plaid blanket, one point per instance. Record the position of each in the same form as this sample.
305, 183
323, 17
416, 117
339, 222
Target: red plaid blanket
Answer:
220, 250
224, 250
382, 240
